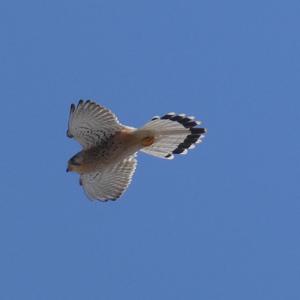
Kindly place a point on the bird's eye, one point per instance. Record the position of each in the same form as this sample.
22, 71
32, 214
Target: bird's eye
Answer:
75, 162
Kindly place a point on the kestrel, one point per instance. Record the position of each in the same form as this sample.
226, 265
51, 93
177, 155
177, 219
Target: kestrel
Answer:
107, 161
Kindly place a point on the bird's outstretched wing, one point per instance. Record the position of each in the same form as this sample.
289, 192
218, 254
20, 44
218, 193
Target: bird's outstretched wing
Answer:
110, 183
90, 123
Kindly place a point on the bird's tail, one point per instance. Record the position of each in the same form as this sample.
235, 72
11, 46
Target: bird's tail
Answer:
171, 134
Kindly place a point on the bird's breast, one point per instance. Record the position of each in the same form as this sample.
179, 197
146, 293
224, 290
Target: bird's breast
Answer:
116, 148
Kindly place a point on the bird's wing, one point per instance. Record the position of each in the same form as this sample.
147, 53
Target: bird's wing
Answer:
90, 123
110, 183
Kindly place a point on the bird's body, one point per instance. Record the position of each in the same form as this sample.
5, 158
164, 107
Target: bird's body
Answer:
107, 160
111, 150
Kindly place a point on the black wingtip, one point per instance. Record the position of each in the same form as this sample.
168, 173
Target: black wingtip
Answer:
179, 149
72, 108
191, 139
168, 116
198, 130
191, 124
187, 122
177, 118
155, 118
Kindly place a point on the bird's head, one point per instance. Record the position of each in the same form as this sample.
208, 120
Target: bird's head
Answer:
75, 163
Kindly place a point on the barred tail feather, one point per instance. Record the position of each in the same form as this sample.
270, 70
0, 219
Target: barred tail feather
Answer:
173, 134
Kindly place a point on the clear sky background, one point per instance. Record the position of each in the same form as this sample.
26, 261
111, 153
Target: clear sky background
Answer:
220, 223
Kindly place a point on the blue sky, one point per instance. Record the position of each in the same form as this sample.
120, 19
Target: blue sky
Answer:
220, 223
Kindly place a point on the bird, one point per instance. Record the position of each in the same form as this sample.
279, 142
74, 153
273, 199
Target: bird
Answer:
108, 158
